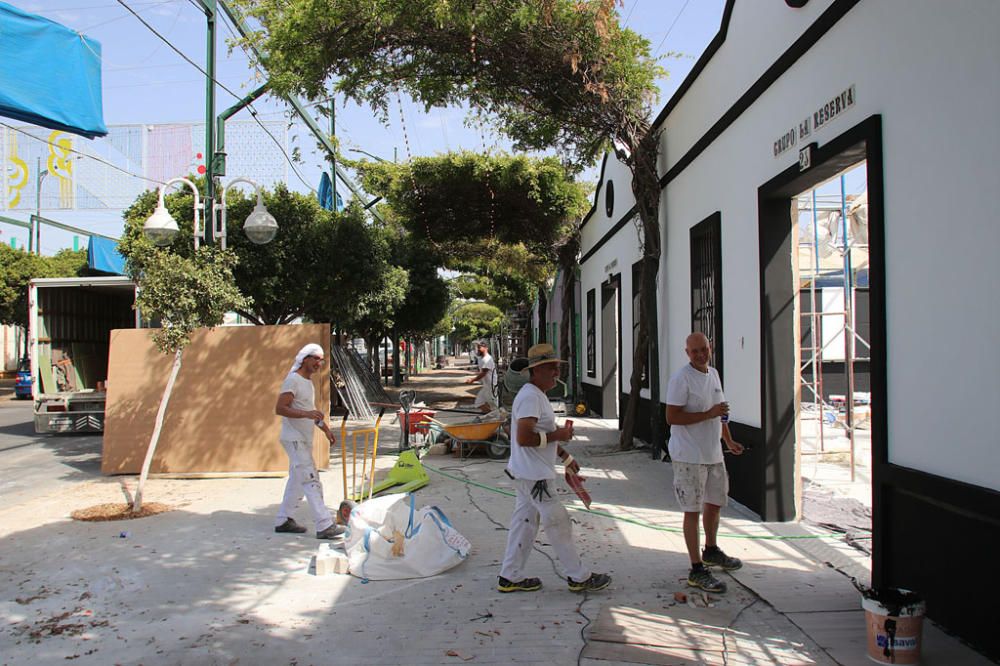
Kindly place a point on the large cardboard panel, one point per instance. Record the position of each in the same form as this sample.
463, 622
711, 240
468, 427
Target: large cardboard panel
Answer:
221, 412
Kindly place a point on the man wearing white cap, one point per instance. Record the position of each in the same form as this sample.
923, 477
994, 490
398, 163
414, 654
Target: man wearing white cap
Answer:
297, 409
534, 446
486, 399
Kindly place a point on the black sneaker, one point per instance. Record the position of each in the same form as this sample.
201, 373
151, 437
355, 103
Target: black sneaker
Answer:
714, 557
526, 585
332, 532
595, 582
290, 527
702, 578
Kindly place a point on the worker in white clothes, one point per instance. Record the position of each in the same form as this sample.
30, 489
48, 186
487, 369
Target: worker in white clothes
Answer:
486, 399
297, 409
534, 447
698, 415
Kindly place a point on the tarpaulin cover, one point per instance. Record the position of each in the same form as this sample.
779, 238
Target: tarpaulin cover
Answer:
49, 75
103, 255
325, 193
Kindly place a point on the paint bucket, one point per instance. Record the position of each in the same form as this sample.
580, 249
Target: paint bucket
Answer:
895, 621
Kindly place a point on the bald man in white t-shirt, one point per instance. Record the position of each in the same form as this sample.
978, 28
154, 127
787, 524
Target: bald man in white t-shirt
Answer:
695, 410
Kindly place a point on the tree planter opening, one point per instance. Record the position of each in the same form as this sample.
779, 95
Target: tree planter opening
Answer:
118, 511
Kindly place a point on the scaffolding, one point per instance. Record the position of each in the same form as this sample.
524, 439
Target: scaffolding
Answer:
838, 228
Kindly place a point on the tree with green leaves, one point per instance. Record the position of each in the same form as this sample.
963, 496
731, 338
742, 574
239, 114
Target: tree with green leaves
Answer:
548, 73
498, 218
476, 320
18, 267
184, 293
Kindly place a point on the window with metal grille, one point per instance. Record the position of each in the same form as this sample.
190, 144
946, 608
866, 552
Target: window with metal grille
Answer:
706, 283
591, 333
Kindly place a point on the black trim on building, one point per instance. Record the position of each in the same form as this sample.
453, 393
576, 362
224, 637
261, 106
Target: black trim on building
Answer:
713, 46
799, 48
629, 216
597, 193
592, 394
829, 18
778, 295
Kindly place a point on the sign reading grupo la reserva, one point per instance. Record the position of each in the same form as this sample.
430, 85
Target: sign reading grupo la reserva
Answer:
815, 121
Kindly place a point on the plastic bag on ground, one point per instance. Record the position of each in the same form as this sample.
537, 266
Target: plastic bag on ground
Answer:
390, 539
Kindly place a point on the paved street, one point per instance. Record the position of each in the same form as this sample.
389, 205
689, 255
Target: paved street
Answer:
39, 465
211, 583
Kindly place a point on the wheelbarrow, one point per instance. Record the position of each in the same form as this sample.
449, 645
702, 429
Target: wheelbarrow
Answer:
487, 434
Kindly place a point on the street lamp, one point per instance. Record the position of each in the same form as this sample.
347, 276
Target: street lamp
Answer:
260, 226
161, 227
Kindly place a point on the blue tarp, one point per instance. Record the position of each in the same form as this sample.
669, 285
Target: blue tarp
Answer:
103, 255
325, 193
49, 75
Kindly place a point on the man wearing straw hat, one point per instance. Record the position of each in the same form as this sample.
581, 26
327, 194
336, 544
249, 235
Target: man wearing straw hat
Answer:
297, 409
534, 446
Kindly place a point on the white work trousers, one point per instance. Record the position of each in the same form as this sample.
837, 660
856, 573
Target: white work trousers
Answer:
524, 523
303, 479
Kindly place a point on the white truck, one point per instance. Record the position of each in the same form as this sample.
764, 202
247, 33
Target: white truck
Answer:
69, 326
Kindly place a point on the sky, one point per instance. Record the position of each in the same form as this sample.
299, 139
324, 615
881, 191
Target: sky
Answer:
146, 82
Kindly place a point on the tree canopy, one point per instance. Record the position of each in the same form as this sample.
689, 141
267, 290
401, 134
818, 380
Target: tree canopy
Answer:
500, 217
185, 293
475, 320
552, 73
558, 74
18, 267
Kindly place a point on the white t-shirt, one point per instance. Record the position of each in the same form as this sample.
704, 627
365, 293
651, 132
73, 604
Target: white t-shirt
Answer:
531, 462
304, 398
696, 391
487, 363
487, 394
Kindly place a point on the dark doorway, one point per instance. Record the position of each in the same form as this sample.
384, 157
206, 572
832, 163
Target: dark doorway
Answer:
610, 326
776, 477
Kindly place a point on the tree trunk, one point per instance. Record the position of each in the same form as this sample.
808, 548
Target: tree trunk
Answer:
154, 440
646, 189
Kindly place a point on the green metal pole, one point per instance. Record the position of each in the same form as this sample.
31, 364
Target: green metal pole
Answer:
219, 160
333, 156
300, 109
210, 14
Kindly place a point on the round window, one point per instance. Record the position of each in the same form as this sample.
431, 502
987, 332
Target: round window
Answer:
609, 198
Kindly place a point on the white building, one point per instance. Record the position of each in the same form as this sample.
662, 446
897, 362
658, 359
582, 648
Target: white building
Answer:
787, 96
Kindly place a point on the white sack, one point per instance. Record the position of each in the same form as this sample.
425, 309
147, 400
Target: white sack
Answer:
389, 539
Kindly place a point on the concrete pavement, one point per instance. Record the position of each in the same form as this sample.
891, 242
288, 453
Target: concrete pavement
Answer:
210, 583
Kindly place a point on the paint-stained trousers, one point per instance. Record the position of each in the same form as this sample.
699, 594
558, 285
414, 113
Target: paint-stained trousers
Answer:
303, 479
529, 513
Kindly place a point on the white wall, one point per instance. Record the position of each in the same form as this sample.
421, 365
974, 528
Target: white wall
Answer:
10, 350
930, 70
622, 251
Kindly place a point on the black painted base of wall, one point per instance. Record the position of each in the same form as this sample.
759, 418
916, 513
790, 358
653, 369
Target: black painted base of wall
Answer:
592, 394
939, 537
643, 427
